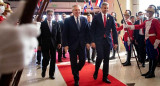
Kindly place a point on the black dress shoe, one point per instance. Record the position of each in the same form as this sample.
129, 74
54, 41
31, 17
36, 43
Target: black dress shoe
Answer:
60, 61
145, 74
143, 64
95, 76
43, 74
150, 75
124, 62
106, 80
76, 83
52, 77
127, 64
38, 63
111, 58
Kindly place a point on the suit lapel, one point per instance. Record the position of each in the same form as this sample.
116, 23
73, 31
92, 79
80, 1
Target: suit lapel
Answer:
81, 22
47, 25
101, 20
74, 22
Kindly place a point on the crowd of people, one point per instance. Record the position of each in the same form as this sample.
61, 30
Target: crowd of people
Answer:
78, 35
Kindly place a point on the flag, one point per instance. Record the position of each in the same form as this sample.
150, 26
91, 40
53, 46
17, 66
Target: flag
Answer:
90, 4
39, 4
85, 7
99, 3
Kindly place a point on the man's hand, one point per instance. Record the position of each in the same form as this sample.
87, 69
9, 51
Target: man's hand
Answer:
115, 46
88, 46
66, 49
93, 45
59, 46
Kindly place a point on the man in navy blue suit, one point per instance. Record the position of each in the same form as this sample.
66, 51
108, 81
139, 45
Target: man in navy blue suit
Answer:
101, 27
75, 37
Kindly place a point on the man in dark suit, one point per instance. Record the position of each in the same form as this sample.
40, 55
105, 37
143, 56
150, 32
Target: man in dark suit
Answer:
49, 40
89, 19
60, 25
101, 27
75, 37
140, 39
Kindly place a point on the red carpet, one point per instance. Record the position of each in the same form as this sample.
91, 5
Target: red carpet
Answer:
86, 76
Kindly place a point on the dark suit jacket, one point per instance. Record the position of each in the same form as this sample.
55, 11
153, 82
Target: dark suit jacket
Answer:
98, 30
46, 37
136, 32
72, 37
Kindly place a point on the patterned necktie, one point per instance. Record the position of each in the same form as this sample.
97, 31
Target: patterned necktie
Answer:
104, 20
78, 25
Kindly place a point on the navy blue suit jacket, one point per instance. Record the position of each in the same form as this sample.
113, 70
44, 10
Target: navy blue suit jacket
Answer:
98, 30
72, 37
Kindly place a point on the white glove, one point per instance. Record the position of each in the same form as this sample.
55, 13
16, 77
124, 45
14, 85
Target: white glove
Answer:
17, 45
156, 43
125, 25
131, 27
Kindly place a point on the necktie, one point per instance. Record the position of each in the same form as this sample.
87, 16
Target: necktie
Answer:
50, 26
78, 25
104, 20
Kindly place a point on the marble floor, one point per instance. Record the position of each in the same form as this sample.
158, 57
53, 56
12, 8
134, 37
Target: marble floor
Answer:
128, 75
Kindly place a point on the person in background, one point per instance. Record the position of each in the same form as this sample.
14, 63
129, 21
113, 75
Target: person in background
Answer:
89, 18
117, 25
127, 38
152, 39
63, 19
60, 25
140, 39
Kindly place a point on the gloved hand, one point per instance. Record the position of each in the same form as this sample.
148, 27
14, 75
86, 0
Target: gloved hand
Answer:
17, 45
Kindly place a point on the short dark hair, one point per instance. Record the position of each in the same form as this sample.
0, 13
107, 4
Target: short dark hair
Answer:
132, 17
56, 13
63, 14
49, 11
140, 12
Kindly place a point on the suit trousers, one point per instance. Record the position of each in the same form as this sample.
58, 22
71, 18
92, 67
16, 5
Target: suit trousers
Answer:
103, 53
142, 49
49, 54
59, 54
75, 65
39, 56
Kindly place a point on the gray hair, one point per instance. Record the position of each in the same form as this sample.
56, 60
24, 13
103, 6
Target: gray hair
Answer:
76, 6
105, 3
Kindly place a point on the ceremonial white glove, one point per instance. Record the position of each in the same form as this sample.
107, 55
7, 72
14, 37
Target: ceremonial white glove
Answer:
156, 43
131, 27
125, 25
17, 46
17, 43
